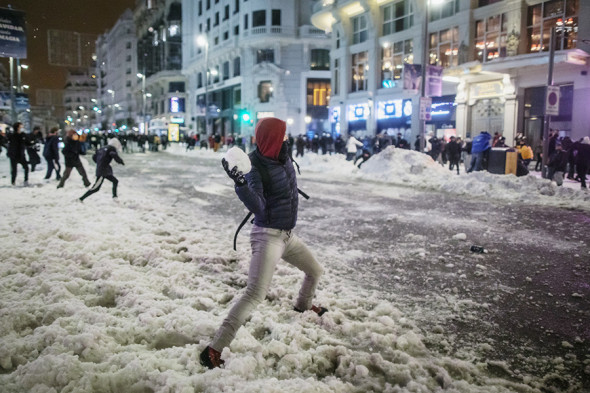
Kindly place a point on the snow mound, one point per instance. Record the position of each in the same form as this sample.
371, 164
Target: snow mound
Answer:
415, 169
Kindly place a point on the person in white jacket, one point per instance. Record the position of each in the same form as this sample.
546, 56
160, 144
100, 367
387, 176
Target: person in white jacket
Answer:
351, 147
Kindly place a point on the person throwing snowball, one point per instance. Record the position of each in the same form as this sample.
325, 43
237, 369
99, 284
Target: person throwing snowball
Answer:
267, 185
103, 158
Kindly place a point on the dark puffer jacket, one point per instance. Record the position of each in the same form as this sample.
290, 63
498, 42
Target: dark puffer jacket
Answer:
278, 209
71, 152
103, 158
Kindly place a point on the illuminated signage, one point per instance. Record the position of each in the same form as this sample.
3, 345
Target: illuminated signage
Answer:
442, 108
358, 112
176, 104
394, 109
177, 119
173, 132
335, 117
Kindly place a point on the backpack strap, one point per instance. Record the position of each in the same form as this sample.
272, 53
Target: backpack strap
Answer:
244, 221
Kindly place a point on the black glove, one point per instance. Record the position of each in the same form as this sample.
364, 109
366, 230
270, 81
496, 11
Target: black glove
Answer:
122, 163
234, 174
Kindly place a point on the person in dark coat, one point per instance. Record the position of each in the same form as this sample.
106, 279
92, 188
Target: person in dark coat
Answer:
33, 141
572, 149
300, 146
274, 203
3, 141
71, 152
17, 143
51, 154
103, 158
583, 160
436, 148
364, 156
453, 150
557, 164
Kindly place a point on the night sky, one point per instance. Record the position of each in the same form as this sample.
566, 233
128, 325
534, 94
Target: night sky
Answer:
82, 16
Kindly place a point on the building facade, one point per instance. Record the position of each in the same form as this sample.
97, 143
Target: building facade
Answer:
161, 87
116, 59
249, 59
79, 96
494, 56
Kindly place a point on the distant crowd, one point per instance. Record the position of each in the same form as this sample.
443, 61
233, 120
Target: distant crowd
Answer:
567, 158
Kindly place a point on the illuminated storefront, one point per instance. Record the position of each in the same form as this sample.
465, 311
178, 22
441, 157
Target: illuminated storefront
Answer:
395, 116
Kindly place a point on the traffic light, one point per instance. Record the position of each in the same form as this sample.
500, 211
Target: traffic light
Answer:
245, 116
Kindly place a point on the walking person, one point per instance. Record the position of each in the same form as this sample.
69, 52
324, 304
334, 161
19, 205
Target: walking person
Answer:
453, 150
103, 158
51, 154
71, 152
17, 143
269, 191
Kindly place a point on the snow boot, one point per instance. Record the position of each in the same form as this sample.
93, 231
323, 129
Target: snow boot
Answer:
210, 358
318, 310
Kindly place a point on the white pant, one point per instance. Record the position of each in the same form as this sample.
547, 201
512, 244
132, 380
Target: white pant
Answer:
268, 247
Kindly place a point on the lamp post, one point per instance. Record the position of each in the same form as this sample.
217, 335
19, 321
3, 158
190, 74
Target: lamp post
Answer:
203, 41
19, 67
425, 62
143, 118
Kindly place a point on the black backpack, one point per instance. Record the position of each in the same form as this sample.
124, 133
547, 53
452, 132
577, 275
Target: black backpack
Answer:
265, 187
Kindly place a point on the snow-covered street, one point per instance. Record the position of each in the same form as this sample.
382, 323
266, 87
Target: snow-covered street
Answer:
106, 296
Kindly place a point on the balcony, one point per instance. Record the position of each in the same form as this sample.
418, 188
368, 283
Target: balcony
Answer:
311, 32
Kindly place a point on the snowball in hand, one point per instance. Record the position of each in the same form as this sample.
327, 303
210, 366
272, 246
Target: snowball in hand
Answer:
236, 157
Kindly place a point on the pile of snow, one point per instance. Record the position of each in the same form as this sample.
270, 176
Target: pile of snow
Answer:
411, 168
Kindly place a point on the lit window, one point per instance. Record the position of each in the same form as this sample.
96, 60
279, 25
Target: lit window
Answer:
393, 57
563, 15
444, 47
490, 38
360, 68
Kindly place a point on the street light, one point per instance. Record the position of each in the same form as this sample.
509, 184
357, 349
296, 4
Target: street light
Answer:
425, 62
143, 117
203, 41
19, 87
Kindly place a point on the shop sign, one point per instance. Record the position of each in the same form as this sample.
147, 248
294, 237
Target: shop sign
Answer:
334, 114
394, 109
173, 132
486, 89
177, 119
358, 112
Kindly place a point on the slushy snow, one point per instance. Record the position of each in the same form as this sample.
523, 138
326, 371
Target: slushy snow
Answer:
105, 297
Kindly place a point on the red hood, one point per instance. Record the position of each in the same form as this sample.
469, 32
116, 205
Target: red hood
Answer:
270, 133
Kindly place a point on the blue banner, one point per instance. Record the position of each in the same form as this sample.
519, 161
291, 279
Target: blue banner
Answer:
13, 37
